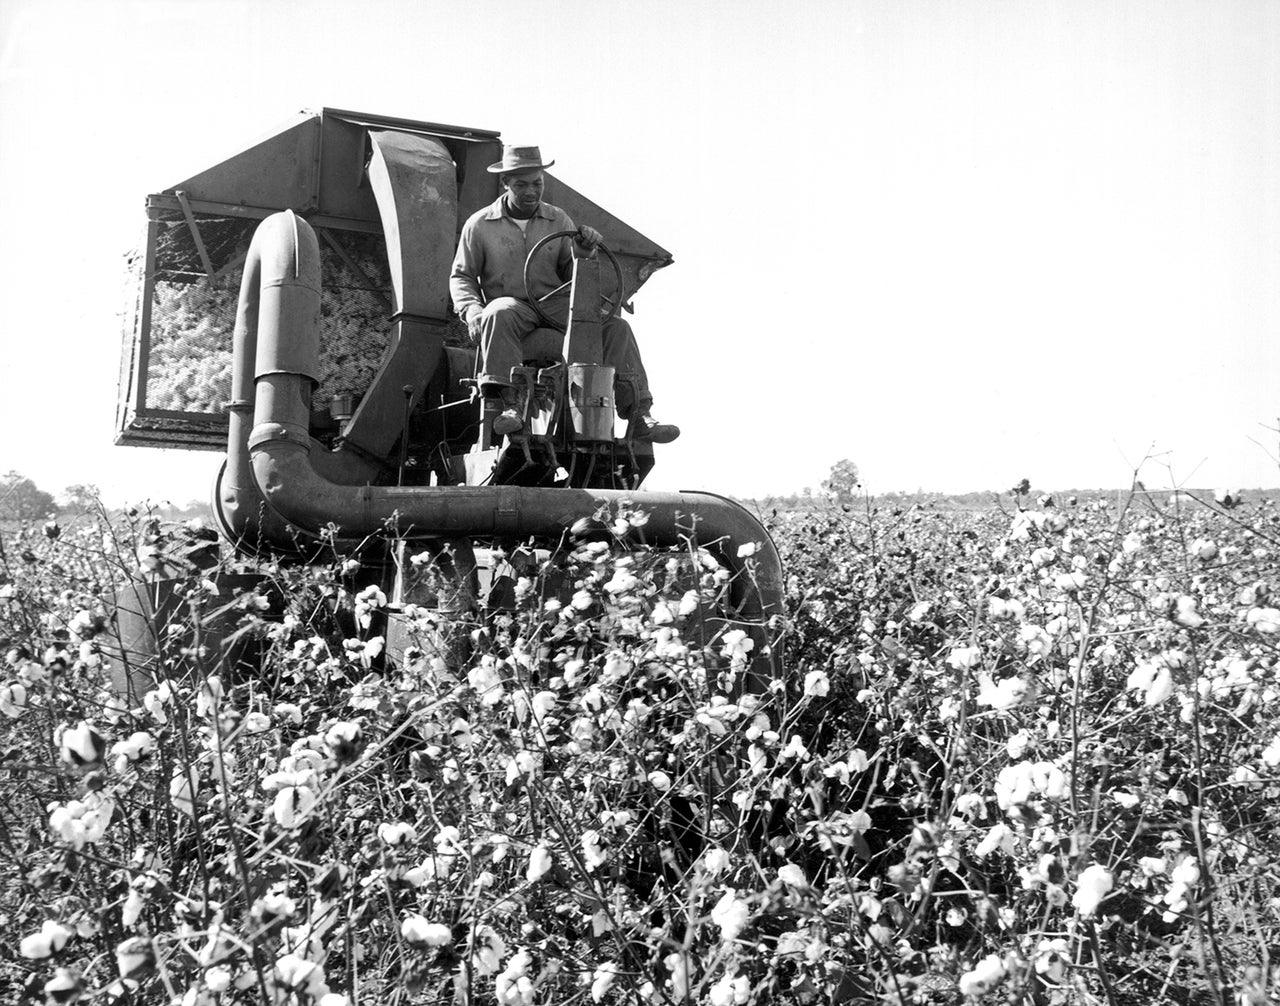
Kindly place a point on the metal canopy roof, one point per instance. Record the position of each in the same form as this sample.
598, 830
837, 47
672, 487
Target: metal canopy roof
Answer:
314, 164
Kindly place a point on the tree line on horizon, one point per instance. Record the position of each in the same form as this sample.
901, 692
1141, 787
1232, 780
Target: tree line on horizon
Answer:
23, 501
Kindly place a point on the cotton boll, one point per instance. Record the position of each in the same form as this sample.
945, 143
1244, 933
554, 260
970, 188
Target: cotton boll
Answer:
301, 975
1161, 687
1187, 872
65, 986
182, 791
1051, 959
659, 780
1141, 676
1093, 884
13, 699
678, 968
344, 740
997, 837
716, 861
397, 833
513, 986
919, 612
795, 749
1264, 619
417, 930
985, 976
602, 979
817, 684
793, 876
1247, 776
487, 950
539, 863
729, 991
1049, 780
291, 806
47, 941
1003, 694
81, 745
594, 853
134, 957
1017, 745
731, 914
137, 746
1203, 549
1186, 613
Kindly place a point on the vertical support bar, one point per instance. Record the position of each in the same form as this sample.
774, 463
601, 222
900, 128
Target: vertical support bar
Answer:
584, 337
144, 315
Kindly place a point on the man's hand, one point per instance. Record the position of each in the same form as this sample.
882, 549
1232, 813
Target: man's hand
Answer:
474, 312
587, 239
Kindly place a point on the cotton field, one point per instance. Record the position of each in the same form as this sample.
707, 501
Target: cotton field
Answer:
1025, 754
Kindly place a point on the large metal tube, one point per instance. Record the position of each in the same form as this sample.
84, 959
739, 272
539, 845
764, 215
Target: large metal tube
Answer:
242, 513
285, 299
283, 457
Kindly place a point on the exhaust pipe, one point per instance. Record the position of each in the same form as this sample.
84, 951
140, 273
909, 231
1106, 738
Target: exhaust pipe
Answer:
287, 465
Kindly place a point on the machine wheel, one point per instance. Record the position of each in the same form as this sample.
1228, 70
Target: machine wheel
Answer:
614, 304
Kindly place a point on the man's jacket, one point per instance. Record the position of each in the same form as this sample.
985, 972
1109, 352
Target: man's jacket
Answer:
492, 250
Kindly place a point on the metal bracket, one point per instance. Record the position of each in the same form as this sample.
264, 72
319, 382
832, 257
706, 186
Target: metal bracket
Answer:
195, 233
232, 264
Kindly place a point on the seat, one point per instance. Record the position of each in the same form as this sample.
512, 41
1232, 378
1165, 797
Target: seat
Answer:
542, 347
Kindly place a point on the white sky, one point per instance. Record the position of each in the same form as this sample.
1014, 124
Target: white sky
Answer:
959, 243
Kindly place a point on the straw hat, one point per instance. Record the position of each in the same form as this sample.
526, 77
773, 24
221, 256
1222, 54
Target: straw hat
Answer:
519, 159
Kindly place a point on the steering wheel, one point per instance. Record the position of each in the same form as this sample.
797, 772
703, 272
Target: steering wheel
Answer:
609, 306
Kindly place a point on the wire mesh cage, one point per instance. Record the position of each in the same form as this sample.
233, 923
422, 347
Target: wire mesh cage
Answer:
181, 323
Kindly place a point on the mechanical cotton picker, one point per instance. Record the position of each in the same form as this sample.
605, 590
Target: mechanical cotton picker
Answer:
293, 309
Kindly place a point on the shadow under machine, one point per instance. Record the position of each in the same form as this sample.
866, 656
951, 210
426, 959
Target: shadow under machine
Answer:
293, 311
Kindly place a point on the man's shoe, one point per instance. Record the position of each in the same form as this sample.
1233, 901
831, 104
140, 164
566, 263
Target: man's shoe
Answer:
648, 428
508, 423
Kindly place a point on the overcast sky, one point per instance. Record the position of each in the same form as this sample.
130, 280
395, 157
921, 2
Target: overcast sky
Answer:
959, 243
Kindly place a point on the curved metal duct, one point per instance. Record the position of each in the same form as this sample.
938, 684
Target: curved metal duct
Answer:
273, 293
270, 289
287, 464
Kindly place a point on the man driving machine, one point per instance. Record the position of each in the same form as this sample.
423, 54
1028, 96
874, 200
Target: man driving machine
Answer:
488, 290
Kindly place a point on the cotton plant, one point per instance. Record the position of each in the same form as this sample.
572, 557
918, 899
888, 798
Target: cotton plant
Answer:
1003, 742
